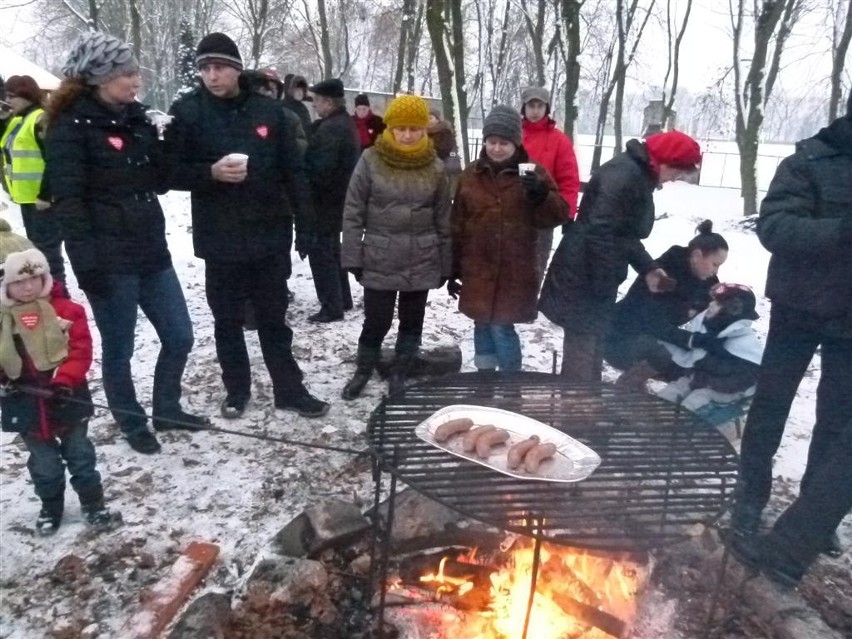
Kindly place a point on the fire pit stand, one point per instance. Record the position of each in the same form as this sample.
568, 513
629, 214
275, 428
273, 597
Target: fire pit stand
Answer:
663, 471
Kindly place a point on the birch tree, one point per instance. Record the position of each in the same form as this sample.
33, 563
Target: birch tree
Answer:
674, 37
841, 34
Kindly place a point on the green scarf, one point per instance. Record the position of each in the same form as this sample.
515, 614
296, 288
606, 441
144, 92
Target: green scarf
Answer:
42, 334
416, 156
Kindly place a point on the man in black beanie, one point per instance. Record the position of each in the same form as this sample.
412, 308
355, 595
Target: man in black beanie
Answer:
806, 223
235, 152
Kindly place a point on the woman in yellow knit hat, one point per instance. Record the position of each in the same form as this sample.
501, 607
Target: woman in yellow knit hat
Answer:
396, 237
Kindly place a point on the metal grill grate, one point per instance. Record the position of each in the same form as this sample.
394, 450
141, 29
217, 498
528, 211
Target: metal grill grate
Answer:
663, 471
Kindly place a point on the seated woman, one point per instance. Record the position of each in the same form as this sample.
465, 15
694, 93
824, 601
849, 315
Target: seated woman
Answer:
642, 319
725, 368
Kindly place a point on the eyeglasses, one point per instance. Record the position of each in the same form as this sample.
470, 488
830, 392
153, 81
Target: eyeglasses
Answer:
722, 289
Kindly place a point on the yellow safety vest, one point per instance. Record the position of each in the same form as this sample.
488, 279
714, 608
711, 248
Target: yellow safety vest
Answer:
22, 159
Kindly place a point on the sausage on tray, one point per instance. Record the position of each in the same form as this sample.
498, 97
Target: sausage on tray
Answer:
517, 452
450, 428
469, 443
487, 441
536, 455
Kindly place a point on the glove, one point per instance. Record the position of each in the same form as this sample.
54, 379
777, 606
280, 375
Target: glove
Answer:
658, 281
42, 205
61, 395
358, 272
8, 389
454, 288
710, 342
94, 283
535, 187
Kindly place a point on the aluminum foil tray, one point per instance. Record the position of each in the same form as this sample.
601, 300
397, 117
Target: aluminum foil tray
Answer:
572, 462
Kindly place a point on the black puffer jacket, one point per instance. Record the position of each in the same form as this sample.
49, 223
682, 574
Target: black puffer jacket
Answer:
250, 220
331, 157
660, 315
105, 168
615, 214
806, 223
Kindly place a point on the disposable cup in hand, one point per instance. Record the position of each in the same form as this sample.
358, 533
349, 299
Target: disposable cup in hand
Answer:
526, 167
240, 158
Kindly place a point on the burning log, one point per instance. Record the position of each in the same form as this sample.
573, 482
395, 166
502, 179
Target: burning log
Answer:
604, 621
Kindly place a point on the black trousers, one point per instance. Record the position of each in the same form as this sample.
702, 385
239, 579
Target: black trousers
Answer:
623, 352
792, 341
801, 530
44, 230
229, 286
378, 317
330, 281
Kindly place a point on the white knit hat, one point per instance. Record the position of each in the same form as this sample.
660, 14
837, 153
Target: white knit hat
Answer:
22, 265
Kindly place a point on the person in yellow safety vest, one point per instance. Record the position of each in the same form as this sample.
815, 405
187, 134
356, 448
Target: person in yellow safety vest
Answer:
22, 144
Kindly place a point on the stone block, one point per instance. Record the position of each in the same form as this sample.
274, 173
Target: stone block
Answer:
204, 618
333, 522
418, 516
440, 360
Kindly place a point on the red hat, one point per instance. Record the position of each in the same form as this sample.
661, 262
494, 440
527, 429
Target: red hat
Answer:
675, 149
23, 86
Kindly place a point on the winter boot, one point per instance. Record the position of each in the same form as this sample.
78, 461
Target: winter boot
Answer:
400, 367
49, 518
100, 517
368, 357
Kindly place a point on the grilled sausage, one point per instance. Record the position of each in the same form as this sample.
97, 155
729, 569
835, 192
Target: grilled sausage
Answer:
469, 443
518, 451
450, 428
489, 440
534, 457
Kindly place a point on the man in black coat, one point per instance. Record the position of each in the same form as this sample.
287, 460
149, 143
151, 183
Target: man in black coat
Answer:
242, 218
806, 223
331, 157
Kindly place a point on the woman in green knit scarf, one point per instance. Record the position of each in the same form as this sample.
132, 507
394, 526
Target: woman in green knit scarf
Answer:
396, 237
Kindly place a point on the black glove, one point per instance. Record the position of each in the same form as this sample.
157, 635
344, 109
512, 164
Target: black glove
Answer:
710, 342
454, 288
9, 389
357, 271
94, 283
61, 394
535, 187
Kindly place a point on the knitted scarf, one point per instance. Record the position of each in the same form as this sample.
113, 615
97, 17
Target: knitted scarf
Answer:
395, 155
40, 330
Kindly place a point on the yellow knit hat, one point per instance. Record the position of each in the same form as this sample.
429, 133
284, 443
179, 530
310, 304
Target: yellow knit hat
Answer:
407, 110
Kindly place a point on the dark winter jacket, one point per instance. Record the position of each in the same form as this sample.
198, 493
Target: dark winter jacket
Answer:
44, 418
806, 223
368, 129
396, 225
292, 104
615, 214
105, 169
331, 157
660, 315
251, 220
495, 237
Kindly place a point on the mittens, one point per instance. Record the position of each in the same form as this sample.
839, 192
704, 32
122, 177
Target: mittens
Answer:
535, 187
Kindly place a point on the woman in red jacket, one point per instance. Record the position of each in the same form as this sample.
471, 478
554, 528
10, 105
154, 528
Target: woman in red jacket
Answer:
45, 353
548, 146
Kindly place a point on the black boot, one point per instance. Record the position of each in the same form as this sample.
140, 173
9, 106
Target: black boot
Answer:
398, 372
368, 357
50, 517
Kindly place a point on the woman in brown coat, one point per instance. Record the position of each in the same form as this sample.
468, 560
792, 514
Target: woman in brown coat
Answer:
496, 217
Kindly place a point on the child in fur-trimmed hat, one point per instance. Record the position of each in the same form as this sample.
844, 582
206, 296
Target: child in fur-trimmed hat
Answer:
45, 353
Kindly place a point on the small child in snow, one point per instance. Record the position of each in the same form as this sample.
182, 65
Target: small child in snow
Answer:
45, 346
724, 368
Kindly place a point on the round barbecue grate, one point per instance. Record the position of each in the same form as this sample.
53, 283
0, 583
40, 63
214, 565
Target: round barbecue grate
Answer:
663, 471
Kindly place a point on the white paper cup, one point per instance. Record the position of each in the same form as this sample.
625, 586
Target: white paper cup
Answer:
524, 167
242, 158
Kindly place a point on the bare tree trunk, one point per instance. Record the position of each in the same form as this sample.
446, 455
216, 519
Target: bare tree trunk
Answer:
839, 49
457, 48
325, 41
673, 67
405, 33
569, 35
136, 29
620, 68
772, 25
535, 28
414, 47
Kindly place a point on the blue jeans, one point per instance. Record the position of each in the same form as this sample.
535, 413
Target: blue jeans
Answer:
160, 297
47, 467
496, 346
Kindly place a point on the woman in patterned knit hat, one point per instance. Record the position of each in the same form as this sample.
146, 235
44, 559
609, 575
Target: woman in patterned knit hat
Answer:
396, 237
105, 168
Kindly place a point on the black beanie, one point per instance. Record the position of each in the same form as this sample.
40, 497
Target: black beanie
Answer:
362, 100
217, 47
505, 122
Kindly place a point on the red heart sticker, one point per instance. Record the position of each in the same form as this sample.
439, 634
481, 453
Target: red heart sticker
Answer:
262, 131
30, 320
116, 142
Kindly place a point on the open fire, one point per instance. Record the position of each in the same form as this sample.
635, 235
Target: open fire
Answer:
577, 594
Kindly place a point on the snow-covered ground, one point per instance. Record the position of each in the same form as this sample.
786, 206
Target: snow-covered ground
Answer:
236, 491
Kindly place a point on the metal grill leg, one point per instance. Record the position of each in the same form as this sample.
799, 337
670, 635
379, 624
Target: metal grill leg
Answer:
383, 568
533, 581
714, 600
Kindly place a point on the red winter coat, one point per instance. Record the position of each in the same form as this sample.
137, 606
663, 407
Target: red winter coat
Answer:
42, 417
548, 146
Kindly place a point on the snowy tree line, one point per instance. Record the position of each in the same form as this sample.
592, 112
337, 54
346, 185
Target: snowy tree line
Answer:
604, 59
